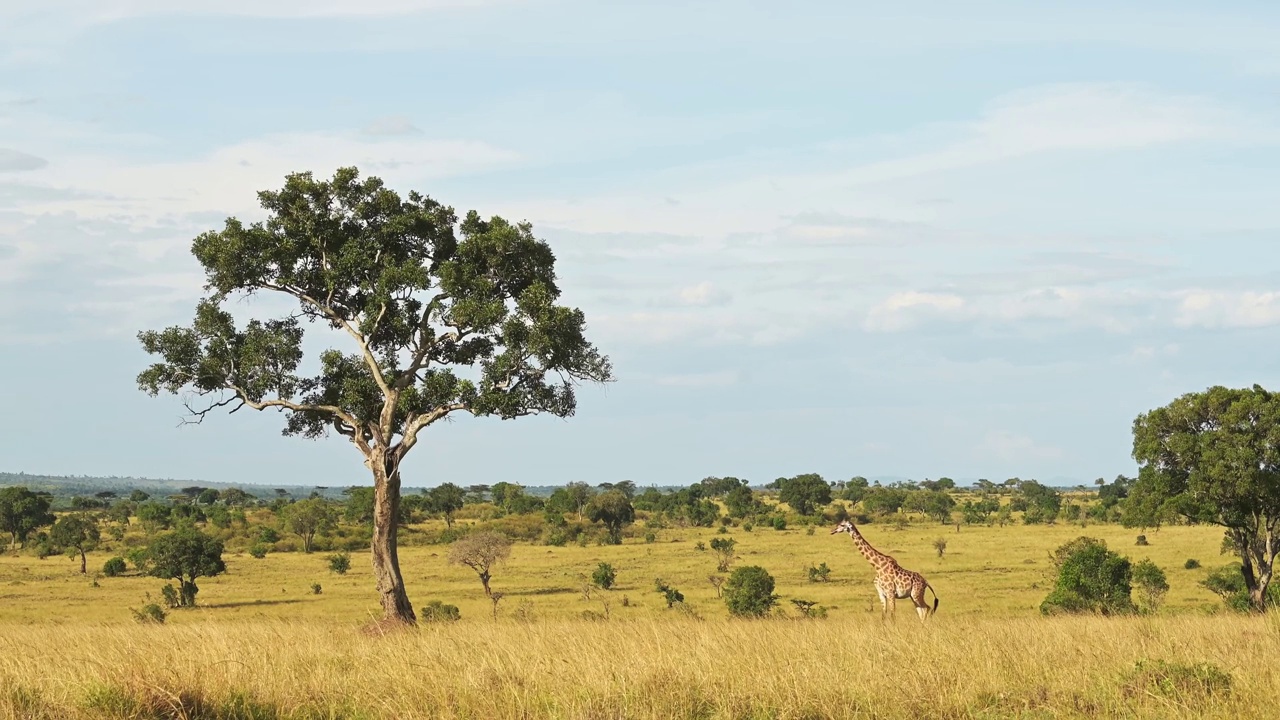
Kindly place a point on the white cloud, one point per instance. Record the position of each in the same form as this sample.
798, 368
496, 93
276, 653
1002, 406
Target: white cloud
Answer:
1012, 447
226, 180
901, 310
1228, 309
703, 294
14, 161
392, 125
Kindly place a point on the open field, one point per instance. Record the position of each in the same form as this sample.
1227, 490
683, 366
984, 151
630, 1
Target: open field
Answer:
262, 645
986, 571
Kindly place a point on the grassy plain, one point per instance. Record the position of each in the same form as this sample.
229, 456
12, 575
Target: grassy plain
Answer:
263, 645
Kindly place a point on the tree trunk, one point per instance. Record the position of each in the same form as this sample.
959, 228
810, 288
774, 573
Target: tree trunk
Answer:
484, 580
83, 564
386, 560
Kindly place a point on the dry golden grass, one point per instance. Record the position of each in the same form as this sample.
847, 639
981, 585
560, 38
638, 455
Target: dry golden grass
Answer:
261, 645
665, 668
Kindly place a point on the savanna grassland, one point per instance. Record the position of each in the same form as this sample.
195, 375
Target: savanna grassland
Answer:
262, 644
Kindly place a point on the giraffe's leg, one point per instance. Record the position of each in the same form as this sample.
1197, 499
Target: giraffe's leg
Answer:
884, 601
917, 597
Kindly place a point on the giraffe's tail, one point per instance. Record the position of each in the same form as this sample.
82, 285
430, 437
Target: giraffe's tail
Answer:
935, 598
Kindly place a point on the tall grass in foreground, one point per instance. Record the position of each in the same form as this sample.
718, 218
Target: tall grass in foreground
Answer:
1221, 666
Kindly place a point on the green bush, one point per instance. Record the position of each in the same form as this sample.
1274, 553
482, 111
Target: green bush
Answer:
821, 573
1142, 540
113, 567
1151, 583
340, 563
1091, 578
170, 595
670, 594
749, 592
604, 576
1227, 582
436, 611
650, 537
268, 535
1191, 564
779, 522
316, 589
258, 550
150, 613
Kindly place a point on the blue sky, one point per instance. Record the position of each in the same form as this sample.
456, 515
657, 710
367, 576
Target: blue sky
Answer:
814, 237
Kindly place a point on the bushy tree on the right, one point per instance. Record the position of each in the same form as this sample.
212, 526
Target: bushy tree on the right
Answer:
1214, 456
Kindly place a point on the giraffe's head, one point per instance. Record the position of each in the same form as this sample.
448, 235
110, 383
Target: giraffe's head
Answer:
844, 526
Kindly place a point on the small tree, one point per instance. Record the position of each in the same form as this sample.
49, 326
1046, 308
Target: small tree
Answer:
717, 581
749, 592
724, 549
940, 545
1091, 578
22, 512
75, 534
185, 555
1151, 583
614, 509
821, 573
445, 499
604, 576
305, 518
480, 551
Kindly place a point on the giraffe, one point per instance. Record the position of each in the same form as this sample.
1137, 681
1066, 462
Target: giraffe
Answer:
892, 580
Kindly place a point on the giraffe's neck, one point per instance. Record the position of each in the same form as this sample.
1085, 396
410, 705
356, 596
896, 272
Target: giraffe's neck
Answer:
873, 556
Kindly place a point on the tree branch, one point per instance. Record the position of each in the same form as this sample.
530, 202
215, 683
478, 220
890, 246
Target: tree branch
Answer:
414, 425
342, 322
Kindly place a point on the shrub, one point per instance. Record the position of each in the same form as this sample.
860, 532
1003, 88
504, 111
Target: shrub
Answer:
258, 550
1091, 578
436, 611
809, 530
340, 563
138, 556
604, 576
268, 535
650, 536
113, 567
779, 522
1142, 540
315, 588
170, 595
670, 594
1191, 564
700, 546
1228, 583
821, 573
809, 608
1151, 582
749, 592
940, 545
747, 527
149, 613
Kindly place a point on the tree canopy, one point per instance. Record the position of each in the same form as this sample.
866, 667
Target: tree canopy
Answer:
185, 555
434, 324
1214, 456
22, 512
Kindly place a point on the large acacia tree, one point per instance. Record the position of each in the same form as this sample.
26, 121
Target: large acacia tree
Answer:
439, 316
1214, 456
